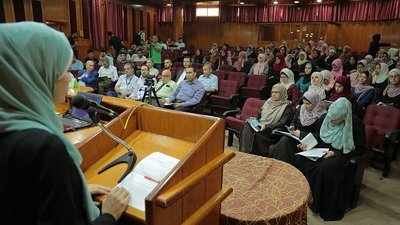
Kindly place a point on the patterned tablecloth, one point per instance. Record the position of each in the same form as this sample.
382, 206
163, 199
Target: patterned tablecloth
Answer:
265, 191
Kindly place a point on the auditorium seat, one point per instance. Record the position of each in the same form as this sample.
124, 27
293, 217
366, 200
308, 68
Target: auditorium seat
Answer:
386, 120
239, 77
226, 67
226, 97
254, 86
220, 74
234, 124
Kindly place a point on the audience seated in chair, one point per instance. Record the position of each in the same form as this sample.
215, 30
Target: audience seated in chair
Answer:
317, 82
88, 77
303, 123
188, 94
274, 114
152, 71
108, 75
329, 82
380, 76
181, 75
363, 93
90, 56
164, 88
126, 82
103, 54
361, 67
287, 79
199, 57
76, 63
344, 135
209, 80
305, 79
141, 85
391, 94
261, 67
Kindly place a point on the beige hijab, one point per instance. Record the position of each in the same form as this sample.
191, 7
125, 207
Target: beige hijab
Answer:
272, 111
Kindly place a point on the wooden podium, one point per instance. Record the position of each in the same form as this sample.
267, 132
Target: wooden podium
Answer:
192, 192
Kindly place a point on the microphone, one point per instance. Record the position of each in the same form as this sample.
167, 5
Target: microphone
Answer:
80, 102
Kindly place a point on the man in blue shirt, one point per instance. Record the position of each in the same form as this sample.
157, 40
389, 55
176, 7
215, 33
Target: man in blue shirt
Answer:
209, 80
188, 94
88, 77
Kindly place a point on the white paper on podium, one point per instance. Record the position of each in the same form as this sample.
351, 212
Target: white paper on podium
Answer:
146, 176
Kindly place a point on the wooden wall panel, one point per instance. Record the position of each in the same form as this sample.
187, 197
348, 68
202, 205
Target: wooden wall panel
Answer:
206, 31
57, 10
28, 10
359, 35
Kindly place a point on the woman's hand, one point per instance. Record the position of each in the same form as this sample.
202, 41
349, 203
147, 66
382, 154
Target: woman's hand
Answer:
262, 127
303, 147
96, 189
329, 154
116, 202
380, 103
295, 132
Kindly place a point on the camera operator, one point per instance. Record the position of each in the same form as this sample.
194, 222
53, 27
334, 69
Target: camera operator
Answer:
144, 82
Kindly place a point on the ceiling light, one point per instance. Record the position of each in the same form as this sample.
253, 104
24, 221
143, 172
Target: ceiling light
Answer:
296, 2
275, 2
319, 0
242, 3
169, 5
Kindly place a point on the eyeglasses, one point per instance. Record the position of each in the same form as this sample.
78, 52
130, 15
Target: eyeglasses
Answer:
394, 76
284, 77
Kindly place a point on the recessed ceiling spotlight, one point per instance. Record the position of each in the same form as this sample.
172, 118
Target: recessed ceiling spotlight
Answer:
276, 2
242, 3
319, 0
169, 5
296, 2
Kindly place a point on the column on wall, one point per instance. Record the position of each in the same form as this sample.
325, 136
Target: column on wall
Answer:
177, 21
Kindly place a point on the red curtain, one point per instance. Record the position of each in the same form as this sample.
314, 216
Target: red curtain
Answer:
165, 14
115, 21
189, 14
350, 11
97, 35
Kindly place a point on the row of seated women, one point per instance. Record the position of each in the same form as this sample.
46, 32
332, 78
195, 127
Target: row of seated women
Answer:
335, 128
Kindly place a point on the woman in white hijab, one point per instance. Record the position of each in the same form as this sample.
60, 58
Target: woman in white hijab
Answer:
317, 82
274, 114
380, 75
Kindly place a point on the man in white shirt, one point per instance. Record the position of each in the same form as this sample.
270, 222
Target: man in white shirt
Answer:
140, 57
152, 71
107, 75
141, 85
181, 75
103, 54
125, 83
209, 80
180, 44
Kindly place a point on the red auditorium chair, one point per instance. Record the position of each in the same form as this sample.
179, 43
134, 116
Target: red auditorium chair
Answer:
239, 77
226, 67
74, 72
226, 97
197, 66
220, 74
254, 87
235, 124
386, 120
178, 64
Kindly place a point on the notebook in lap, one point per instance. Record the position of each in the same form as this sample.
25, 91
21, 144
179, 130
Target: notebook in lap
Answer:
78, 118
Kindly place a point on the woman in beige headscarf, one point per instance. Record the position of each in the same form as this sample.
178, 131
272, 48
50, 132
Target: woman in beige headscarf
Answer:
274, 114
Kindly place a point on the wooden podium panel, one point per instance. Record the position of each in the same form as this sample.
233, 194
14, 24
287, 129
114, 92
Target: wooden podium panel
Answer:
192, 192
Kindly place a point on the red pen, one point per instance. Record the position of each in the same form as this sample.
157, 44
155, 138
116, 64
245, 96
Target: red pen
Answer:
152, 179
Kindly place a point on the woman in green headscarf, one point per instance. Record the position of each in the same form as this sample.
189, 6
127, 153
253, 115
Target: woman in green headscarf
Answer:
39, 168
344, 135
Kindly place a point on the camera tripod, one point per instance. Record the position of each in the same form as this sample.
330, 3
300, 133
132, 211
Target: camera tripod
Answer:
147, 94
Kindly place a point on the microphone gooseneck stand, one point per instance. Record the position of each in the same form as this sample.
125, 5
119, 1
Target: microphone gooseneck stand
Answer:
128, 158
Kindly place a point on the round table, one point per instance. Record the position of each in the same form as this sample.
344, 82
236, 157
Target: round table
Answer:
265, 191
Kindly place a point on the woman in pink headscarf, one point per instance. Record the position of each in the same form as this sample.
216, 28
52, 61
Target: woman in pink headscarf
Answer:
329, 82
240, 62
337, 68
